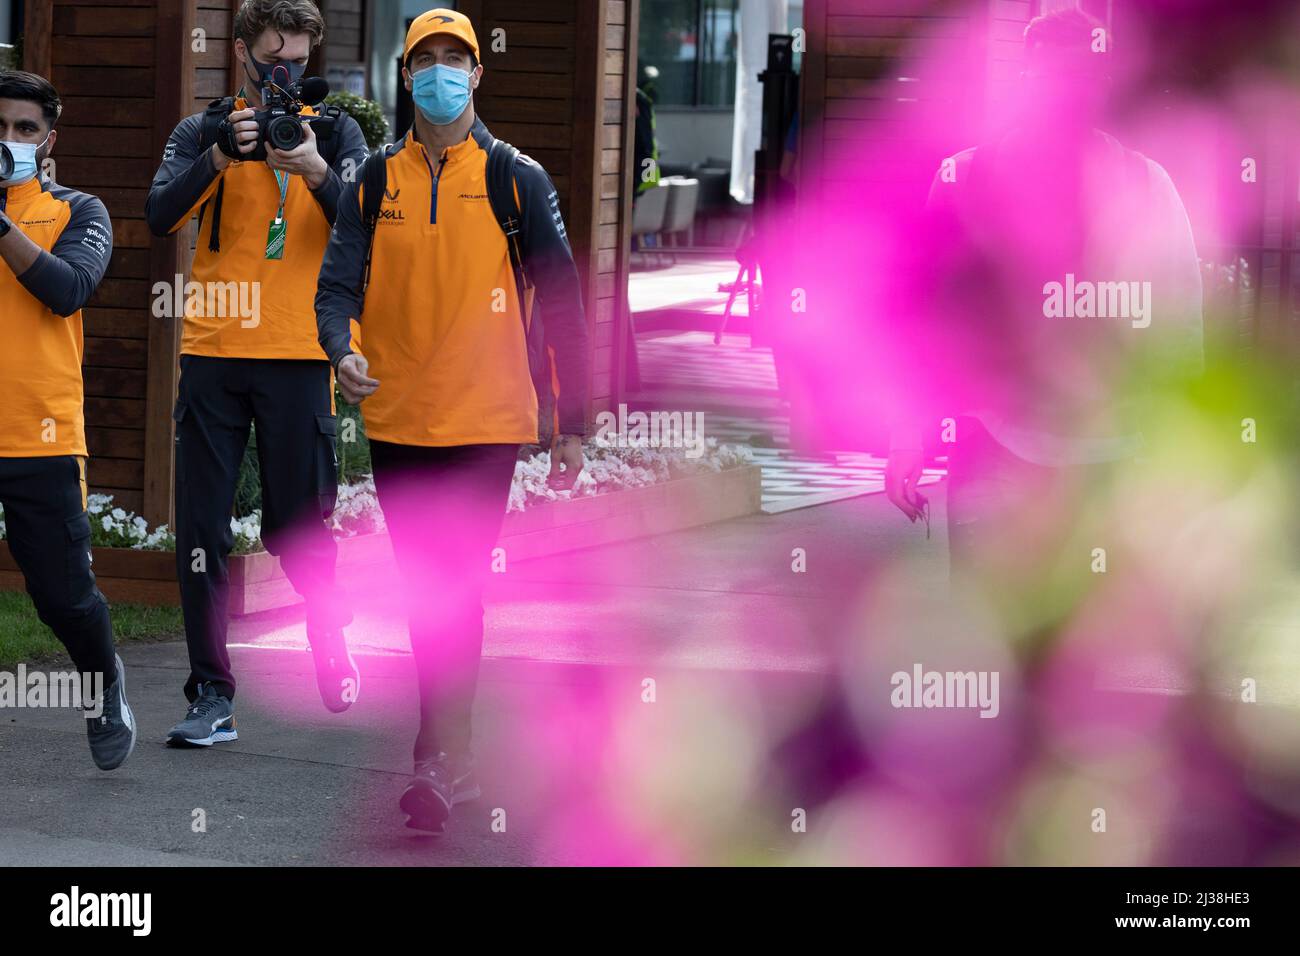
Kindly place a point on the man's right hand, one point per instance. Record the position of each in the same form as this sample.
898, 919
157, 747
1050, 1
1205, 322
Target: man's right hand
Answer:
902, 475
245, 131
354, 383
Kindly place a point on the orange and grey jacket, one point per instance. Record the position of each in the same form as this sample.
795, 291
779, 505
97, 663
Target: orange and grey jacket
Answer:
42, 416
187, 182
441, 322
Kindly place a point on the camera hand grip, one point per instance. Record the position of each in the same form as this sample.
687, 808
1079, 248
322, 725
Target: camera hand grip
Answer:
226, 140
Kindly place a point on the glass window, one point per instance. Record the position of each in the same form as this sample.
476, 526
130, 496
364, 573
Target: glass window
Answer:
692, 43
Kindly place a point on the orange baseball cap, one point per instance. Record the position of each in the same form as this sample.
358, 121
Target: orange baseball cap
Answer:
438, 22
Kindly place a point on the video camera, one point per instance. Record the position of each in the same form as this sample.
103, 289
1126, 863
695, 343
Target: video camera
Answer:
6, 162
280, 123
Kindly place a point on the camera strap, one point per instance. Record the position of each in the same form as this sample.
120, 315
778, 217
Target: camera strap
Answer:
213, 117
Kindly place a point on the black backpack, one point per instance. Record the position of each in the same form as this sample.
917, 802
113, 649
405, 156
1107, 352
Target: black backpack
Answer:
501, 164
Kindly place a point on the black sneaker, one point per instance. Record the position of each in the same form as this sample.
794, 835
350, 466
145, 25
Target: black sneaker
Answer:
437, 786
112, 733
209, 720
337, 677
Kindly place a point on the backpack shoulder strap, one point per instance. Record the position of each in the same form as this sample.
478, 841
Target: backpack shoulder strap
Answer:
374, 181
501, 162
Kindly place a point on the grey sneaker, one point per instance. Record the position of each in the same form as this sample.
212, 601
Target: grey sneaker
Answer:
437, 786
112, 733
209, 720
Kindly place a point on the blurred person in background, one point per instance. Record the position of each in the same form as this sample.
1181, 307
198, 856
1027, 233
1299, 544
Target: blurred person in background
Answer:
1060, 259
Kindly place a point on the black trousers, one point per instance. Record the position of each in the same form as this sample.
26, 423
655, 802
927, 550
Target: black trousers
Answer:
48, 531
290, 402
444, 508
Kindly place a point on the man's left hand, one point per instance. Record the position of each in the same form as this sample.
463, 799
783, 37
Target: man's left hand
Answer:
304, 160
566, 451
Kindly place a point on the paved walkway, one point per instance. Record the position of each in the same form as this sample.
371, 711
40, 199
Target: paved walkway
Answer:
574, 762
713, 615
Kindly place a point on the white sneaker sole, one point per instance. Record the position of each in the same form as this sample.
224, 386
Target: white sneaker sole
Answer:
216, 737
128, 716
220, 737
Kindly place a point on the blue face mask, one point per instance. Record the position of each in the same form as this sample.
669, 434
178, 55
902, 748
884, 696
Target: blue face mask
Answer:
25, 164
441, 93
265, 71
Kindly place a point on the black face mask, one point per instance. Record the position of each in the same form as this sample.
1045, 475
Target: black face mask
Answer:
265, 71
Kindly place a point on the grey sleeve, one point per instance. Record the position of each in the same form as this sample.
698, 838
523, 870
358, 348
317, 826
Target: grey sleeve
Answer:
346, 168
339, 298
67, 276
182, 179
548, 259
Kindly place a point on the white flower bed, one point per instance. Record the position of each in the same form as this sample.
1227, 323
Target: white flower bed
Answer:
115, 528
605, 468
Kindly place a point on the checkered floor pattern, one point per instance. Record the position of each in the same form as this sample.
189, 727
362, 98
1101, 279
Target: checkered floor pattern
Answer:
688, 363
794, 481
690, 360
790, 481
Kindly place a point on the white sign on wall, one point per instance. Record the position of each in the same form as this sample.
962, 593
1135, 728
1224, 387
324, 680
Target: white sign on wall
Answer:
347, 78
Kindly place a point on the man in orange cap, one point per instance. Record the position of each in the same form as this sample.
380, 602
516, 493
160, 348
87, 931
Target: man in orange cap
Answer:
458, 371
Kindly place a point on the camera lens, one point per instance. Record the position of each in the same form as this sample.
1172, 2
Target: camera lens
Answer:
6, 162
285, 132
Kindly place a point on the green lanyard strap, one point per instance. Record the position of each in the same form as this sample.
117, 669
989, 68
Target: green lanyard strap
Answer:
283, 179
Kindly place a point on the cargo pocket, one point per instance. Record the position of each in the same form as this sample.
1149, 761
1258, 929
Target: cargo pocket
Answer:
327, 463
79, 581
178, 416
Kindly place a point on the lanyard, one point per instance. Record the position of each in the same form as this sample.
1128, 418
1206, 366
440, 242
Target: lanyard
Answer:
283, 179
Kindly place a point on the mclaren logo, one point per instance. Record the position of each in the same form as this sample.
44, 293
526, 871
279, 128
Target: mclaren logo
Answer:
447, 19
391, 215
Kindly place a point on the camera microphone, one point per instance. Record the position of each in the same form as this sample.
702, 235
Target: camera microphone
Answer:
314, 89
6, 162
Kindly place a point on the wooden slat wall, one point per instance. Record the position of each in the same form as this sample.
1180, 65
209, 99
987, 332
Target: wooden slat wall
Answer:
344, 32
212, 68
561, 91
1006, 25
852, 97
102, 56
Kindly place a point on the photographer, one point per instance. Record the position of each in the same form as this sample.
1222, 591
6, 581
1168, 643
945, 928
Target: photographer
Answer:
55, 245
264, 219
